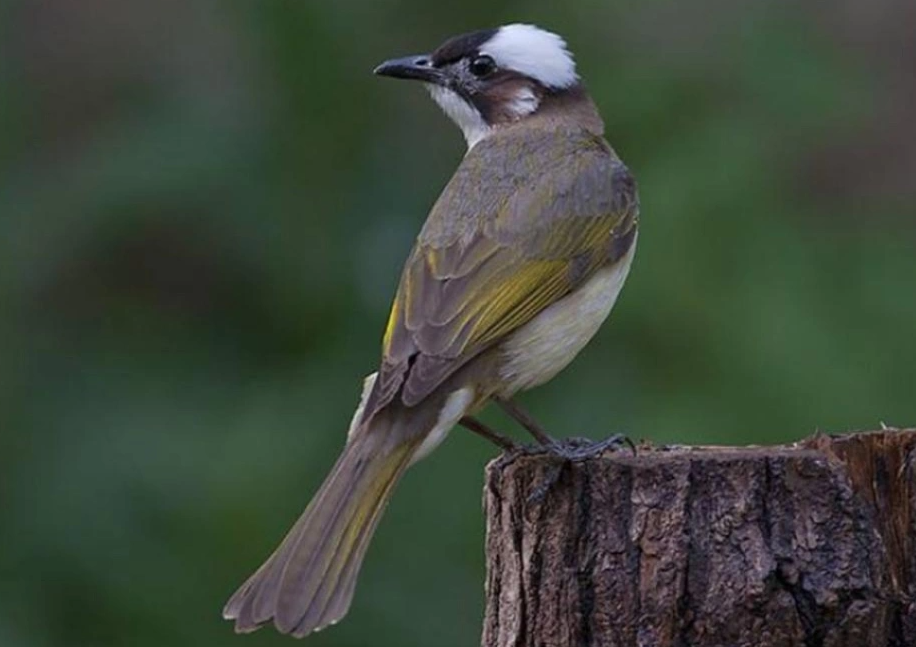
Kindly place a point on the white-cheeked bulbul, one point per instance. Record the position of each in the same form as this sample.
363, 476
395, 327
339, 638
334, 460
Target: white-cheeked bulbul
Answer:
519, 262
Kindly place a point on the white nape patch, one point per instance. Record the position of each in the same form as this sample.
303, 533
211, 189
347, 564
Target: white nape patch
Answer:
524, 102
368, 383
456, 405
544, 346
534, 52
468, 118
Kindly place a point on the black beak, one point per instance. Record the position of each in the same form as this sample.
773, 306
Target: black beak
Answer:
418, 67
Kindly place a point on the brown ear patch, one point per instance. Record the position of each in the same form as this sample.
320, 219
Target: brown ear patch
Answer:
505, 95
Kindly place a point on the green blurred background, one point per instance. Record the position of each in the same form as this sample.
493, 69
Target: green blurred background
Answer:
204, 207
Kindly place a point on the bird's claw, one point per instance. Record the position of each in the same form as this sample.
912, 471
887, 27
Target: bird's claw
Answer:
580, 449
570, 450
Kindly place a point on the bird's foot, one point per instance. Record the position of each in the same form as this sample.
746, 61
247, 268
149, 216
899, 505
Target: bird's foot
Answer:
581, 449
569, 450
575, 448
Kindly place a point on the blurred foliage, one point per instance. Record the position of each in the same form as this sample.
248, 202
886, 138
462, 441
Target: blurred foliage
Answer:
204, 207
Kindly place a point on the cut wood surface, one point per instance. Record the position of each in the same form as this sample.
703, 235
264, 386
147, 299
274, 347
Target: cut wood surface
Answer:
808, 545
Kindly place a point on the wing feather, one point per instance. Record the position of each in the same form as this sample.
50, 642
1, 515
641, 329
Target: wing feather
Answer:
473, 278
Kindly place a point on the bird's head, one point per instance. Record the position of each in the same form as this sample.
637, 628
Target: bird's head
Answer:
491, 78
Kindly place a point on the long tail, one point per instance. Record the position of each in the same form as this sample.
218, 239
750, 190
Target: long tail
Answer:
308, 582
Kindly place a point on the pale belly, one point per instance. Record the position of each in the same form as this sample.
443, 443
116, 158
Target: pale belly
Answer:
544, 346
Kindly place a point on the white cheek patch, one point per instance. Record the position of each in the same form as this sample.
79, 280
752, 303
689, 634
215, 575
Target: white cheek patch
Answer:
533, 52
461, 112
524, 102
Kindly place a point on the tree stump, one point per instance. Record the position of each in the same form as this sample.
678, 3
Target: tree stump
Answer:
808, 545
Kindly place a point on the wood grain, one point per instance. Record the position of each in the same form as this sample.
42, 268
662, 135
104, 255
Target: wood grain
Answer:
812, 544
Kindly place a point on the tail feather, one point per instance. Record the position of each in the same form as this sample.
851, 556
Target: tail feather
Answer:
324, 571
258, 600
314, 558
308, 582
334, 600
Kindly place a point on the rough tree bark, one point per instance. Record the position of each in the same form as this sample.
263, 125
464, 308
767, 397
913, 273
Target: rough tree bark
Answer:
812, 544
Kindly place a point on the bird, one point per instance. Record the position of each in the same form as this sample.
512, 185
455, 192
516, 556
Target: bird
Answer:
519, 262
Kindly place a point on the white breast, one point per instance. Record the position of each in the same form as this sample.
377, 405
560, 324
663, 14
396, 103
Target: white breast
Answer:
544, 346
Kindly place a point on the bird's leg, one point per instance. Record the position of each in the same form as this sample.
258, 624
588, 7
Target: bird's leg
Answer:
485, 432
525, 420
569, 448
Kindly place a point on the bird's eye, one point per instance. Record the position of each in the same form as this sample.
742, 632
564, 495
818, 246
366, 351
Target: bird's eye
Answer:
482, 65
